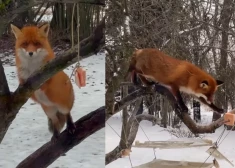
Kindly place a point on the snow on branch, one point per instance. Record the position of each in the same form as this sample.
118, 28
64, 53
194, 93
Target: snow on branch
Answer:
49, 152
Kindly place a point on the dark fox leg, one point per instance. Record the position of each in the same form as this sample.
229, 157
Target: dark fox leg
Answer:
134, 78
145, 81
181, 103
71, 128
55, 121
179, 99
55, 135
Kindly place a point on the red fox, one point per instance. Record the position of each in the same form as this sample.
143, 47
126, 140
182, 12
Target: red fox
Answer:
177, 75
56, 95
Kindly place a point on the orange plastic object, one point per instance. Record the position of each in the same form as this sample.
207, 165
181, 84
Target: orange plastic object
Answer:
229, 119
80, 77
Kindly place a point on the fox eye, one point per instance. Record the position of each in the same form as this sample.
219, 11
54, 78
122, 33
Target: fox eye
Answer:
24, 44
204, 84
37, 44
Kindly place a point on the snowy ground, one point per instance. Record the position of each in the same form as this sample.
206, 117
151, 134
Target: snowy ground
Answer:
29, 130
155, 133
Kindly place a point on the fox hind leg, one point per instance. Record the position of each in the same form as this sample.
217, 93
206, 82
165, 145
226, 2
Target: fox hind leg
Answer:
69, 120
55, 122
144, 81
71, 128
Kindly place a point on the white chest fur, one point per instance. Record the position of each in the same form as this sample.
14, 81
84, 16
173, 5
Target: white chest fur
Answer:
42, 98
26, 70
30, 64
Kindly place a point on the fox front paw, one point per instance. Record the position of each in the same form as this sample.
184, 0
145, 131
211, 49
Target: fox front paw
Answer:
71, 128
54, 138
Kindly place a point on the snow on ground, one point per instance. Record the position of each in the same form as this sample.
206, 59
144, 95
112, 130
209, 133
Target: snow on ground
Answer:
29, 130
155, 133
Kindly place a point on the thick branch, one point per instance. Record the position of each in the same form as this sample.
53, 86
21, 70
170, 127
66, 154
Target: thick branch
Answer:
4, 99
126, 101
116, 152
187, 120
4, 89
49, 152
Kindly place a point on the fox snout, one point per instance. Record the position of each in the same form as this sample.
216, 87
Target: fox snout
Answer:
30, 54
27, 53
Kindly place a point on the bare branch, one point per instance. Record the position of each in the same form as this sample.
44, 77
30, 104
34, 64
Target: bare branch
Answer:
183, 116
49, 152
4, 89
116, 152
126, 101
95, 2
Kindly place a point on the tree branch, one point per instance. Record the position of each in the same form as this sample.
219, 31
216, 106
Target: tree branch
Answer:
94, 2
126, 101
4, 101
187, 120
116, 152
4, 89
49, 152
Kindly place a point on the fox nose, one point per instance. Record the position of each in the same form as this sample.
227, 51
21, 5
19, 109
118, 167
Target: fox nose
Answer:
30, 54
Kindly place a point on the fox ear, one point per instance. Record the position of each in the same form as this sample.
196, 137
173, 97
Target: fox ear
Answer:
15, 30
219, 83
45, 29
204, 84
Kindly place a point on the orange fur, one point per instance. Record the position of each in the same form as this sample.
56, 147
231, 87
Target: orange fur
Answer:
178, 75
56, 95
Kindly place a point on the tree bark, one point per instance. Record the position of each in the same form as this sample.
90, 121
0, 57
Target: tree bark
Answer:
49, 152
116, 152
95, 2
226, 14
4, 99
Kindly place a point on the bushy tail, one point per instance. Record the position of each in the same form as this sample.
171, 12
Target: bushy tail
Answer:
58, 125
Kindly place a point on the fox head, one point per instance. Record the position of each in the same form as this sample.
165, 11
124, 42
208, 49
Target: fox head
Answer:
205, 88
31, 42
